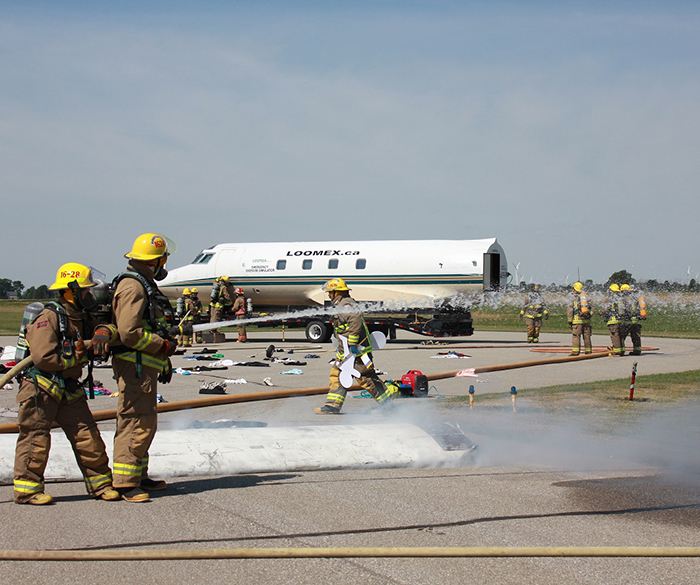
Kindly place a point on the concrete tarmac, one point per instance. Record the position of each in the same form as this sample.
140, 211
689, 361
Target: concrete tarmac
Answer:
536, 481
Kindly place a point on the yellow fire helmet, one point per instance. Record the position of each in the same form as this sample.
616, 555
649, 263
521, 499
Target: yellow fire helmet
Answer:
578, 286
335, 284
73, 273
194, 291
614, 288
625, 287
222, 278
186, 292
149, 247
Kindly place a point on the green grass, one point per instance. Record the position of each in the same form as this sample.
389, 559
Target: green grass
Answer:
604, 405
672, 319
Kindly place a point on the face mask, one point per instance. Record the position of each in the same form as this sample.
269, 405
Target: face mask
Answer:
87, 301
160, 273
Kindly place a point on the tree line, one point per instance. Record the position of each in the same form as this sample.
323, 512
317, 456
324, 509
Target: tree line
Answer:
15, 289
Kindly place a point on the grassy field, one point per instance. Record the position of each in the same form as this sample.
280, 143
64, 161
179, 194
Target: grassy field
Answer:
669, 317
602, 407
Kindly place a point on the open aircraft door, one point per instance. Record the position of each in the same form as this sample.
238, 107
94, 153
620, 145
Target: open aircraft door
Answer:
492, 271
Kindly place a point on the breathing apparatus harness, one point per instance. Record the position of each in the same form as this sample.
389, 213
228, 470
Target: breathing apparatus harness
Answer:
67, 352
155, 299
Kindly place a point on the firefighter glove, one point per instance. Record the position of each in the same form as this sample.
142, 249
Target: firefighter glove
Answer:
167, 374
185, 329
354, 350
571, 325
100, 340
168, 348
520, 316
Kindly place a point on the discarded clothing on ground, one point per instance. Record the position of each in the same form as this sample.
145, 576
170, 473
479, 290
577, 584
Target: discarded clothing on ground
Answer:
238, 381
294, 371
203, 351
212, 388
450, 354
288, 362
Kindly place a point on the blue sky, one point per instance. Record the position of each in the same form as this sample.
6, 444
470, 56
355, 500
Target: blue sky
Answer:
568, 130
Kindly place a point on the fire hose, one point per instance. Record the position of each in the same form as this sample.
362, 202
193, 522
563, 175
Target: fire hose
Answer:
357, 552
111, 414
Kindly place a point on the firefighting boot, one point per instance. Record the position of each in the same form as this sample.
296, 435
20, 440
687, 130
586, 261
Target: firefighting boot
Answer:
152, 485
133, 494
327, 409
110, 495
40, 500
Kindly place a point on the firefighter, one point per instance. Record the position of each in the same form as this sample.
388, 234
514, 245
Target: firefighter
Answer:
635, 311
222, 299
50, 390
351, 326
239, 311
196, 312
579, 314
141, 358
613, 315
534, 311
185, 314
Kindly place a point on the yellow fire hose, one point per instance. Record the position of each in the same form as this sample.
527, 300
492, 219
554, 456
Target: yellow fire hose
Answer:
340, 553
272, 395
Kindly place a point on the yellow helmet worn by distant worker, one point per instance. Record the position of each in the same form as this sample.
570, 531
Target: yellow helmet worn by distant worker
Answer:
148, 247
186, 292
614, 288
222, 278
73, 273
578, 286
335, 284
625, 287
194, 291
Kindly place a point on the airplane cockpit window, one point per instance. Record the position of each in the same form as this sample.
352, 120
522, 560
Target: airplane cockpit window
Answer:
202, 258
281, 264
360, 263
333, 263
307, 264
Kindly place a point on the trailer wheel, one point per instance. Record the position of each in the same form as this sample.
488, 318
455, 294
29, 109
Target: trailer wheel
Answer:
318, 332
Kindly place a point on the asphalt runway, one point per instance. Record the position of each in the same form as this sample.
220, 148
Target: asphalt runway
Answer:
535, 481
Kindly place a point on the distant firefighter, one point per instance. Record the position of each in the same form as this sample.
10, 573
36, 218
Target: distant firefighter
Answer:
635, 311
613, 315
239, 312
579, 314
533, 312
351, 327
222, 296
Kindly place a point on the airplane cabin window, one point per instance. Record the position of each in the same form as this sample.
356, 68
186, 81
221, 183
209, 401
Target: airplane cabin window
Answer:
333, 263
360, 263
306, 264
281, 264
196, 259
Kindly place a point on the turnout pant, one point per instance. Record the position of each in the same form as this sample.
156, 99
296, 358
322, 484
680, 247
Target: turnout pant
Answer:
368, 380
616, 339
579, 330
37, 412
533, 329
137, 418
634, 330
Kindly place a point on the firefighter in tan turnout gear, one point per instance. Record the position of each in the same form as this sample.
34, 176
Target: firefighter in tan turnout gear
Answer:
579, 314
239, 311
351, 326
613, 314
534, 311
50, 390
635, 312
221, 299
141, 358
